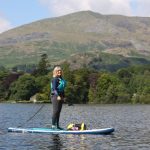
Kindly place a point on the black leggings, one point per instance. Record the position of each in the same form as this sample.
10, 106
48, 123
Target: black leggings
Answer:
57, 105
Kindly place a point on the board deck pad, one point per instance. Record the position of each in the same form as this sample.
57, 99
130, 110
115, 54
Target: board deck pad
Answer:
57, 131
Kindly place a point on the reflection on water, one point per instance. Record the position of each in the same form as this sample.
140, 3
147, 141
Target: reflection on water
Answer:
131, 123
57, 144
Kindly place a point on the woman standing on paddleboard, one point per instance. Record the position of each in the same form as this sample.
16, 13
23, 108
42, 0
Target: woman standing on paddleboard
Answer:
57, 95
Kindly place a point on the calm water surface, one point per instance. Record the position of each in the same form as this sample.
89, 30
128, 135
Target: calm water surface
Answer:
131, 123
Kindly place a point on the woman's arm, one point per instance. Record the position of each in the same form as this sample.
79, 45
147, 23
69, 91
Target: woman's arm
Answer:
54, 86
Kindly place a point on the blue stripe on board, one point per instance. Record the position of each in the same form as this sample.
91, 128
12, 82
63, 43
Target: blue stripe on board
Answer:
56, 131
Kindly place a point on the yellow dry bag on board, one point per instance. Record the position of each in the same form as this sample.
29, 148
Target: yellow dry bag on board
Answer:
73, 126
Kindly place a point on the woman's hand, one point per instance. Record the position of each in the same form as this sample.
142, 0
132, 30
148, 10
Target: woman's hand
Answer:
58, 98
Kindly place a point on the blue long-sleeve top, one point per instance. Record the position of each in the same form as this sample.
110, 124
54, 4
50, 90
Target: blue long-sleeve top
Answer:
57, 86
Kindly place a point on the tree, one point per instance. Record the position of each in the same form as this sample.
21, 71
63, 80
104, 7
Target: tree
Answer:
43, 86
67, 73
3, 90
42, 68
23, 88
81, 85
125, 75
109, 89
70, 93
141, 84
92, 79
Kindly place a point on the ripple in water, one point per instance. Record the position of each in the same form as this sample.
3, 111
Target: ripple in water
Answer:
131, 123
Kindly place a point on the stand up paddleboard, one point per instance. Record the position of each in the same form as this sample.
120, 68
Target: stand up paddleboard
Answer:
57, 131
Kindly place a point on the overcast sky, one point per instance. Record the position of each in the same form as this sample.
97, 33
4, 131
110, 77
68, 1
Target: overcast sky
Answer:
14, 13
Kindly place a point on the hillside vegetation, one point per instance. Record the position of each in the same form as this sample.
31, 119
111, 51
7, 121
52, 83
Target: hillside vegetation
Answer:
126, 85
86, 34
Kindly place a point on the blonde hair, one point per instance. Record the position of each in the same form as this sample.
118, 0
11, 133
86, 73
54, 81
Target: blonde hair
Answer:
55, 70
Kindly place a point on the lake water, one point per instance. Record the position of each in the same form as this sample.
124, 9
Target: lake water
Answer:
131, 123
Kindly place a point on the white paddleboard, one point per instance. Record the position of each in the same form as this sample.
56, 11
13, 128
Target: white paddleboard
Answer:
57, 131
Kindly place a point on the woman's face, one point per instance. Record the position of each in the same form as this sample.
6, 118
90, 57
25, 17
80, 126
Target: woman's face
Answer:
59, 72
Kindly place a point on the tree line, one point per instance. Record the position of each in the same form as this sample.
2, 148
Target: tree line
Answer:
126, 85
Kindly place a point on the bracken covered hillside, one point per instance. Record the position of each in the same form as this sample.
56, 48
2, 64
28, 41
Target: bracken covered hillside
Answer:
70, 35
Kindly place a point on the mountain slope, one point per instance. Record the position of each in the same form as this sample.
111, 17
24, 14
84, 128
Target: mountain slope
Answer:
79, 32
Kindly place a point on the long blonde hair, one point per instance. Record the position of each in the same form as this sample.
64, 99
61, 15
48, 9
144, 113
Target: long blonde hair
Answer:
55, 71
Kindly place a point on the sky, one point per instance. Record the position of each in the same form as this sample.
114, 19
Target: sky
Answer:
14, 13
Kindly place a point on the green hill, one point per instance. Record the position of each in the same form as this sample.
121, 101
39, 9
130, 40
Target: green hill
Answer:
65, 37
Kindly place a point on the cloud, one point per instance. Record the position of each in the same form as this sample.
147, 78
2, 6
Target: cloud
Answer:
62, 7
123, 7
142, 8
4, 24
111, 6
